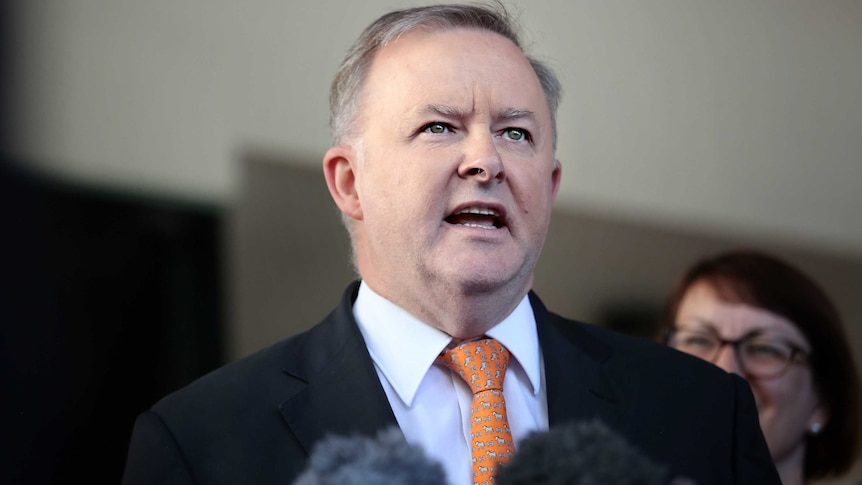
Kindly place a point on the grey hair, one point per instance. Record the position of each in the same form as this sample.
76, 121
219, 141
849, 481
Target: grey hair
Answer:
346, 88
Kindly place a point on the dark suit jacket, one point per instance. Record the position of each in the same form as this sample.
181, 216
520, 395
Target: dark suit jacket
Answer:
256, 420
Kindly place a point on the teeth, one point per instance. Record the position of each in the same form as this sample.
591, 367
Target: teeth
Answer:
479, 211
470, 224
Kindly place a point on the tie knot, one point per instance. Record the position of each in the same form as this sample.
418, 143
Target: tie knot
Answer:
480, 363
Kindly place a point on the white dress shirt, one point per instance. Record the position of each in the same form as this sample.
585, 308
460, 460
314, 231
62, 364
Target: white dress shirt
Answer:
432, 405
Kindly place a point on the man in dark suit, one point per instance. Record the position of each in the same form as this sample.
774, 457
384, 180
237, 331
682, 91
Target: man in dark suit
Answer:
443, 167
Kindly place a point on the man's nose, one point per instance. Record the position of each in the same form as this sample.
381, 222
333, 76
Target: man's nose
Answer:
482, 160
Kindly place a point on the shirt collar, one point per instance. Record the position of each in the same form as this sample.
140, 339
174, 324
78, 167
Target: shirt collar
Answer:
387, 328
517, 332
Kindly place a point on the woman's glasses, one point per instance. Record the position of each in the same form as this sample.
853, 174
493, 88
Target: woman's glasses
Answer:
757, 355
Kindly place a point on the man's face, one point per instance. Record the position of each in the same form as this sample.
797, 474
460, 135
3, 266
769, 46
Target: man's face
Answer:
458, 174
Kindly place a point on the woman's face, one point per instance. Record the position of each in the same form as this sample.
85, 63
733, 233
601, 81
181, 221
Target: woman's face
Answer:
788, 403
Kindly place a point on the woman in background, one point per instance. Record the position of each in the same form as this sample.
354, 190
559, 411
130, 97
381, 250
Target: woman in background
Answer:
754, 315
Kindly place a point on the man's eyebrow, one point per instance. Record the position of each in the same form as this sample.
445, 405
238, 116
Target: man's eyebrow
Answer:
444, 110
509, 114
512, 114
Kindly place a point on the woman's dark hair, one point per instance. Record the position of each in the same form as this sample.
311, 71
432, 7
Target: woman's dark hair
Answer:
763, 281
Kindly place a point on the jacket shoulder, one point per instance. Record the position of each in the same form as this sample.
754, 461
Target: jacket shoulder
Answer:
632, 353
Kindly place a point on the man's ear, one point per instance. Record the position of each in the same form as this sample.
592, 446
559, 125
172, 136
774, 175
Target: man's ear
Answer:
557, 175
340, 170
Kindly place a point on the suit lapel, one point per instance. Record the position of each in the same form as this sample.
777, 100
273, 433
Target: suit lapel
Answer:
577, 387
335, 387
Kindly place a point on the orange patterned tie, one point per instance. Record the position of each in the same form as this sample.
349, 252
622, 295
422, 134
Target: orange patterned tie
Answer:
482, 365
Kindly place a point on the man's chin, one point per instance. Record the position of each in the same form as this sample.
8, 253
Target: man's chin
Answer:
485, 282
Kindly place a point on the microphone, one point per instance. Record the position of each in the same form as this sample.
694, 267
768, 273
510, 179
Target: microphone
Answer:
581, 453
386, 459
576, 453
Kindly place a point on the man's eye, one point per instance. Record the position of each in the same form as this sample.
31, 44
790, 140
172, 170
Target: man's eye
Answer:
436, 128
515, 134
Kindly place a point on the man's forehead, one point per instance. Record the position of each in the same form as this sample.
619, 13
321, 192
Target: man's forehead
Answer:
413, 46
449, 67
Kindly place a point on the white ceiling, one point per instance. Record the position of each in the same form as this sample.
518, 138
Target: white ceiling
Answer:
738, 117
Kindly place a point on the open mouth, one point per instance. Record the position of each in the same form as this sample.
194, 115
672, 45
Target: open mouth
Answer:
480, 217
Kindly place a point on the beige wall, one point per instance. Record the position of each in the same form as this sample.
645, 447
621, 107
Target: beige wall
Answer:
737, 114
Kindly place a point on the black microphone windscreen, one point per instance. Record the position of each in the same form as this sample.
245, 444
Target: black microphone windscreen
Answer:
386, 459
586, 453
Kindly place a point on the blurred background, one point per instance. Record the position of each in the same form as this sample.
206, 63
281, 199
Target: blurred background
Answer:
164, 211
